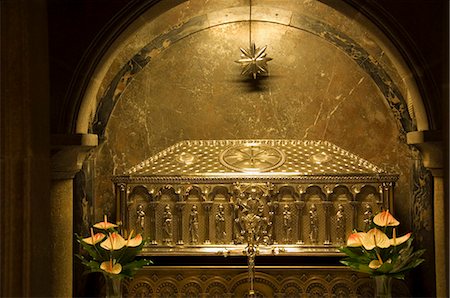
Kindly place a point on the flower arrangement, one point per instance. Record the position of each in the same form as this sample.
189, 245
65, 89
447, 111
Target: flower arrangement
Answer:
379, 251
111, 254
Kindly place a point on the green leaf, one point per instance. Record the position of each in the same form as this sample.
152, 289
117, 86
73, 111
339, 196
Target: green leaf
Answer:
357, 266
385, 268
130, 269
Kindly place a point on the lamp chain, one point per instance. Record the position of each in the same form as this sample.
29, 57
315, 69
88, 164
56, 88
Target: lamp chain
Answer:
250, 25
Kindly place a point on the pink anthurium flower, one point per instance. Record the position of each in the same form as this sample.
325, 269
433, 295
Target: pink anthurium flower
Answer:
111, 267
94, 239
104, 225
375, 238
397, 241
354, 240
114, 242
133, 242
384, 219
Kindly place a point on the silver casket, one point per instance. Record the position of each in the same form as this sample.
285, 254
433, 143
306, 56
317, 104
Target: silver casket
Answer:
212, 198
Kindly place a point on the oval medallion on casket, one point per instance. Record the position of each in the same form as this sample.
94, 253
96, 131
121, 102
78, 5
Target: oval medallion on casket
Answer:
252, 157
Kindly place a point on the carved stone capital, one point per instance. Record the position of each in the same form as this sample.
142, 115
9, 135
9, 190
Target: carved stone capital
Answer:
68, 153
431, 146
299, 205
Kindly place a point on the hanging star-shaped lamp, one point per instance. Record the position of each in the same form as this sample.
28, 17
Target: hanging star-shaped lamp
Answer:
253, 60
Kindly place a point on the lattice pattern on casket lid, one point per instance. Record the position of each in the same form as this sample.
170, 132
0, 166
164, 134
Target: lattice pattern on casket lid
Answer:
225, 157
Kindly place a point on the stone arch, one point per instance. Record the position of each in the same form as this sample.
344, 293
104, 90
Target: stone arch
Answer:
194, 191
314, 192
267, 284
192, 288
353, 50
317, 288
167, 288
341, 192
141, 191
123, 70
216, 287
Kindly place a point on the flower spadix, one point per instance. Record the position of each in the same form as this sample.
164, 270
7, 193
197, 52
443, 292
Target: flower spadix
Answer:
105, 225
111, 267
113, 242
384, 219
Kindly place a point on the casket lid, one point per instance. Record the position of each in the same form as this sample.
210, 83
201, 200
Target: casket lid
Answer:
251, 158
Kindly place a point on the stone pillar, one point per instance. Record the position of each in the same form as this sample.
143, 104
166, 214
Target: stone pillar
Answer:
299, 205
121, 207
207, 207
354, 205
70, 152
440, 234
152, 236
431, 148
179, 207
25, 145
61, 211
387, 201
327, 206
273, 215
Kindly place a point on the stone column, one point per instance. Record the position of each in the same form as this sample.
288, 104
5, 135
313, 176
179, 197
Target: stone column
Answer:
152, 236
354, 205
387, 201
327, 206
65, 163
121, 206
299, 205
431, 148
25, 145
273, 215
207, 207
440, 234
179, 206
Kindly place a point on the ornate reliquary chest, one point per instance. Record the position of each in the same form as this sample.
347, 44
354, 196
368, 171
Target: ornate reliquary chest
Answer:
283, 197
204, 197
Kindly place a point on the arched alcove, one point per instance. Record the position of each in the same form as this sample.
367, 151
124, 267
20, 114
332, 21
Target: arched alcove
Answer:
171, 76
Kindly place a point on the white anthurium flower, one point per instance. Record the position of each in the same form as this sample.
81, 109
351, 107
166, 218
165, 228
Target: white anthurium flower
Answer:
113, 242
104, 225
375, 238
136, 241
399, 240
384, 219
354, 240
95, 239
111, 267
